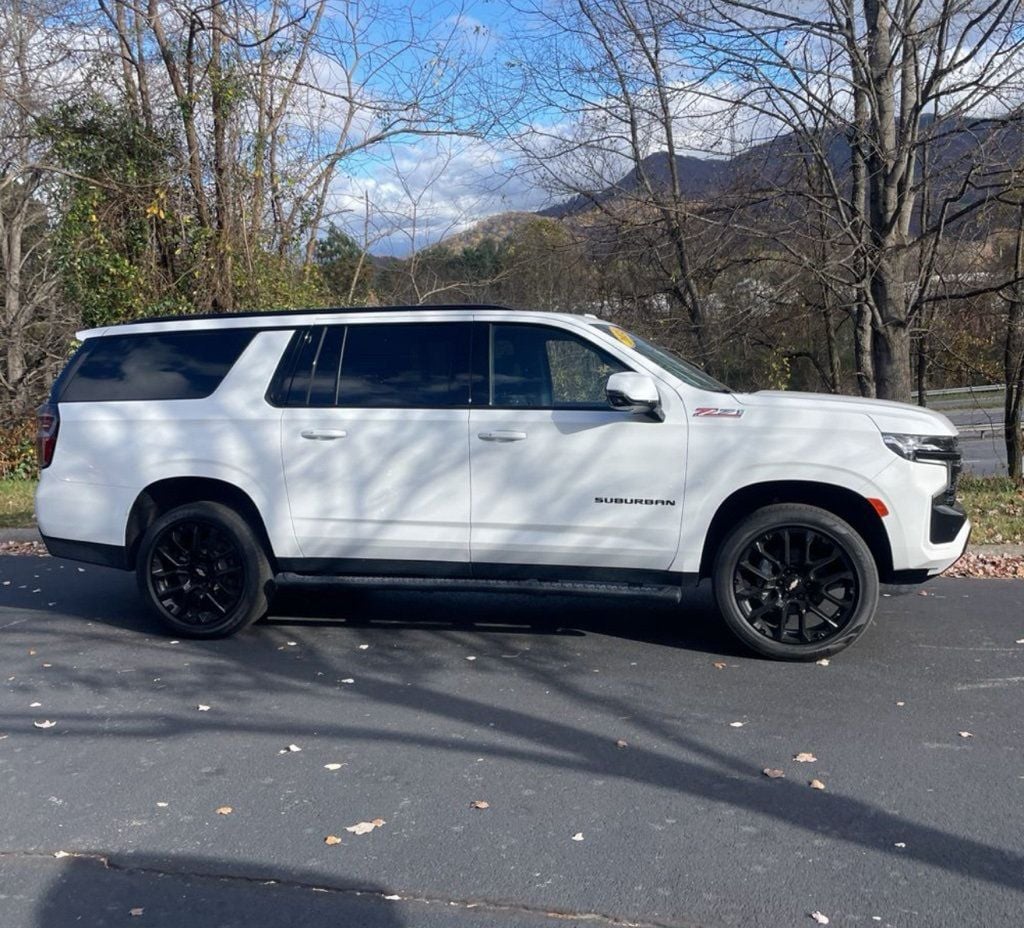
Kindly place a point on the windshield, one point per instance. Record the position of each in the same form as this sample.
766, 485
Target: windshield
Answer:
684, 370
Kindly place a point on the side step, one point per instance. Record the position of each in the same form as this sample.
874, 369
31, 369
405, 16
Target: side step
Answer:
671, 592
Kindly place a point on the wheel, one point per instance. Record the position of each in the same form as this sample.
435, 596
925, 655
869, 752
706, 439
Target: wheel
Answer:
795, 582
203, 571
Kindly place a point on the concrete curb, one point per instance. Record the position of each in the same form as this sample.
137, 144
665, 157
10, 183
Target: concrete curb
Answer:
22, 535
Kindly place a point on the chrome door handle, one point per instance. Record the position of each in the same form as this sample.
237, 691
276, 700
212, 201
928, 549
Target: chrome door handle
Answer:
323, 434
502, 436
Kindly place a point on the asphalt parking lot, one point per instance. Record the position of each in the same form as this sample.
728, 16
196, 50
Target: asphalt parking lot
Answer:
619, 747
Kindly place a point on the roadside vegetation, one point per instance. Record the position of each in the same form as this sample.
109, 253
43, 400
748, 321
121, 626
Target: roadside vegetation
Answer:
16, 509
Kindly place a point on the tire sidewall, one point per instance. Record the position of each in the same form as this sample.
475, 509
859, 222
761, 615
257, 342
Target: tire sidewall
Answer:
796, 516
255, 595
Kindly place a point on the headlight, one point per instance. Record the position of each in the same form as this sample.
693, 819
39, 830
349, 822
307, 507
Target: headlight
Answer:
938, 448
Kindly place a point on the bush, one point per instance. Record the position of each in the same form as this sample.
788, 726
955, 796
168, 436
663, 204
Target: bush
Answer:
18, 449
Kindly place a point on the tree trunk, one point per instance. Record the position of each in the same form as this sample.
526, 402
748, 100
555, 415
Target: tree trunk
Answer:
1013, 359
863, 338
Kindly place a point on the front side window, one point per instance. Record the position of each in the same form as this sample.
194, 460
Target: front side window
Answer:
543, 367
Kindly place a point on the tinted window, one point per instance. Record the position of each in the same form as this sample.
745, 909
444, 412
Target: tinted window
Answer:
537, 366
401, 365
156, 366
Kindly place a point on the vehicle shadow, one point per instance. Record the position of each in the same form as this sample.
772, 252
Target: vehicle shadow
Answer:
203, 892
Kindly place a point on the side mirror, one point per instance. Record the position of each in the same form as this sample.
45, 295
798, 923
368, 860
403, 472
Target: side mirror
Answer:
638, 392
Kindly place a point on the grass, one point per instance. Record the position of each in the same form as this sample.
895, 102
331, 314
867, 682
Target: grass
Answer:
995, 505
16, 509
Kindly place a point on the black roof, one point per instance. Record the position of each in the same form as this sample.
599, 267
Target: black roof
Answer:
318, 310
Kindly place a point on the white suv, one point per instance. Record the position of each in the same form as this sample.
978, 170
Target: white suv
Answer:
482, 447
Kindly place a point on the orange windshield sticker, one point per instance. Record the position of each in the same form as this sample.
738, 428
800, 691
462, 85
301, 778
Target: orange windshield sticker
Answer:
622, 335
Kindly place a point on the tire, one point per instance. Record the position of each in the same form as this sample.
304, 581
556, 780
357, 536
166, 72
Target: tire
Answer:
795, 582
203, 572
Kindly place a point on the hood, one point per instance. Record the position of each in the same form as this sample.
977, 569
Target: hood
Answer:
886, 414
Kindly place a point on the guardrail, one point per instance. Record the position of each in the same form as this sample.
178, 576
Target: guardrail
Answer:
961, 391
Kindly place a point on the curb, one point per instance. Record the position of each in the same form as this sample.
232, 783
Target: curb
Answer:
19, 535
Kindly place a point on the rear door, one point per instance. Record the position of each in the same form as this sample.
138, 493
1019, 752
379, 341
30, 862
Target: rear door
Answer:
374, 441
559, 477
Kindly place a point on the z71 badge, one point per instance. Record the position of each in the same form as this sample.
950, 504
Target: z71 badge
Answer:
706, 412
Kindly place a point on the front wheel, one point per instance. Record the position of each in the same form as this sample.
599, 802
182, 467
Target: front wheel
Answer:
203, 571
795, 582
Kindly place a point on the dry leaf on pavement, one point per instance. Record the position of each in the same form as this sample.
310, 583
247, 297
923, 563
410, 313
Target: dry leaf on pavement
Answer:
203, 708
364, 828
578, 836
719, 665
224, 810
332, 839
965, 734
804, 757
135, 912
621, 744
46, 723
479, 804
291, 749
824, 662
333, 766
737, 724
819, 918
816, 784
773, 773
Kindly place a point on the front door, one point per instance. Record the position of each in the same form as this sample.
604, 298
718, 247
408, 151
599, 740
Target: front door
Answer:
374, 441
560, 478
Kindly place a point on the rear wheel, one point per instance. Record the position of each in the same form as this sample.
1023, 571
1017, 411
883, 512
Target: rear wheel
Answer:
796, 582
203, 571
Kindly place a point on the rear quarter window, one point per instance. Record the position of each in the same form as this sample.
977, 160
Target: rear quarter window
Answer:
152, 366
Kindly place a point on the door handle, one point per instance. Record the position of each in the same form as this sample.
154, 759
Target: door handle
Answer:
502, 436
323, 434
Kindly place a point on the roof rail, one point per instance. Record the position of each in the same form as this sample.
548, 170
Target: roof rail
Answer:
314, 310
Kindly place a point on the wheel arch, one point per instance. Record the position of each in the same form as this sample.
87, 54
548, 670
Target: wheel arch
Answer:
163, 495
847, 504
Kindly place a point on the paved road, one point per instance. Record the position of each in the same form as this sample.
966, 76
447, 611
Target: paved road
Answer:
981, 431
519, 703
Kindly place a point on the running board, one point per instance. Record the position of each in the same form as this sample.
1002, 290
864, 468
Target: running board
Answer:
467, 585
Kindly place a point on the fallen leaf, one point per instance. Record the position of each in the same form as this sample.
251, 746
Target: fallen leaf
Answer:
773, 773
621, 744
348, 680
161, 805
824, 662
479, 804
203, 708
60, 854
31, 653
804, 757
135, 912
819, 918
578, 836
965, 734
900, 844
719, 665
46, 723
364, 828
816, 784
291, 749
224, 810
34, 705
471, 658
394, 897
901, 704
292, 644
922, 592
332, 839
47, 665
737, 724
363, 647
1020, 641
333, 766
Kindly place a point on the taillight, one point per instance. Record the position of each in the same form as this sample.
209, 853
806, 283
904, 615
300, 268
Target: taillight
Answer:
48, 422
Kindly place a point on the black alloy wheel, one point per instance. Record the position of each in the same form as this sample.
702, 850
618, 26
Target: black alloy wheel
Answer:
203, 571
796, 582
197, 572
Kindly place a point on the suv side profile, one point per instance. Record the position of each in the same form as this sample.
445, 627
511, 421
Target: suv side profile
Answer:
487, 448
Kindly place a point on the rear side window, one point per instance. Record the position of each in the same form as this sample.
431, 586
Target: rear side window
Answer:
154, 366
390, 366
